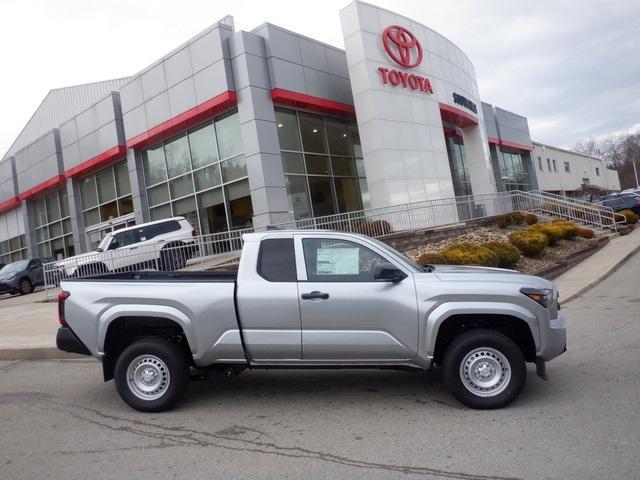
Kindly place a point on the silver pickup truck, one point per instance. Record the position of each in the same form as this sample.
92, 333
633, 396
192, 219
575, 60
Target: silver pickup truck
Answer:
314, 299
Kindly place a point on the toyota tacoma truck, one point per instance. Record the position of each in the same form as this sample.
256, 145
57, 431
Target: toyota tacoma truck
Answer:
314, 299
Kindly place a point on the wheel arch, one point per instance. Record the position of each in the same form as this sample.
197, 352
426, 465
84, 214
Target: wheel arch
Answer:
121, 326
448, 321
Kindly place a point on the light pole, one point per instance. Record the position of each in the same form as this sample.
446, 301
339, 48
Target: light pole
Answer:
635, 172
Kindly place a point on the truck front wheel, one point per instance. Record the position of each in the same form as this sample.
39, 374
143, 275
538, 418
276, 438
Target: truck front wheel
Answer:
484, 369
151, 374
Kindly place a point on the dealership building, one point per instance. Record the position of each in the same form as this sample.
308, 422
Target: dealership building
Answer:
238, 129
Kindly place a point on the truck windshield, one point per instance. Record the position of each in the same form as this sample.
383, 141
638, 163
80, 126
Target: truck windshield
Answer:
398, 256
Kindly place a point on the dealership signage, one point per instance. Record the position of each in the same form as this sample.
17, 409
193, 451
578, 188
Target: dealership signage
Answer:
403, 47
465, 102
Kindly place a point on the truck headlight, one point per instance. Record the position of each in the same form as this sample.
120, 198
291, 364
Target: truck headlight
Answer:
543, 296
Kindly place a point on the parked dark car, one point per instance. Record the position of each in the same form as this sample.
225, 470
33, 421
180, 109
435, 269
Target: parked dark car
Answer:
22, 276
2, 265
621, 201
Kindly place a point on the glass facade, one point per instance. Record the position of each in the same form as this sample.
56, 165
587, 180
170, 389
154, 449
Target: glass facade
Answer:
54, 236
106, 194
513, 170
13, 249
459, 172
322, 162
202, 176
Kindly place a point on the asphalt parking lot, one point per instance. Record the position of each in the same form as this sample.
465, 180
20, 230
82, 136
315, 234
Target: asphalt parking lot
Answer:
58, 420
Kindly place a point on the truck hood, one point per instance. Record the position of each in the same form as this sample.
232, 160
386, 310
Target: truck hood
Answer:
488, 275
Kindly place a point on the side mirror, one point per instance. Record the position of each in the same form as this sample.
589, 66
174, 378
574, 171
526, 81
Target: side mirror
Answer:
388, 272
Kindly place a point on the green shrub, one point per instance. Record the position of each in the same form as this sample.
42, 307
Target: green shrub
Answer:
586, 233
431, 259
569, 230
508, 255
381, 227
530, 219
517, 218
503, 221
630, 217
529, 242
554, 232
469, 254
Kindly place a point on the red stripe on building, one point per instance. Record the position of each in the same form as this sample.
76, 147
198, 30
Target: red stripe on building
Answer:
96, 162
517, 146
43, 187
495, 141
456, 116
301, 100
216, 105
9, 204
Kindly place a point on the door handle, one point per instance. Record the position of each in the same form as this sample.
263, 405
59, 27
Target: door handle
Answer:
314, 294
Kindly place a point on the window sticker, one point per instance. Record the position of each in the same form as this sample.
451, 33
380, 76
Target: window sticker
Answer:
338, 261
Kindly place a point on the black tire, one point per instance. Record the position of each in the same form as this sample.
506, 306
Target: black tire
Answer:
174, 361
26, 287
510, 382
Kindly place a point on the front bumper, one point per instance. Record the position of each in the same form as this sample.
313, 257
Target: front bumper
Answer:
555, 339
7, 287
67, 341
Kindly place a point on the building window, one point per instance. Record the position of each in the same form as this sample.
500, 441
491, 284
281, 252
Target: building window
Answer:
539, 163
459, 172
54, 235
106, 194
322, 162
567, 167
513, 170
202, 176
555, 167
549, 164
598, 171
13, 249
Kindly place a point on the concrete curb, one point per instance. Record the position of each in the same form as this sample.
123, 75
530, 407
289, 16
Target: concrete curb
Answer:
36, 353
601, 277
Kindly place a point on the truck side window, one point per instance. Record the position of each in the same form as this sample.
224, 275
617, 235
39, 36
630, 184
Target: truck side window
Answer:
339, 261
124, 239
277, 260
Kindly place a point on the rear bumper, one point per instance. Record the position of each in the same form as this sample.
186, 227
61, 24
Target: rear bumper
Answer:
67, 341
555, 339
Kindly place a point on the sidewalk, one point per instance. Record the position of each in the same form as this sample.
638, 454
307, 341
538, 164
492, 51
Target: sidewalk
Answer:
597, 267
28, 327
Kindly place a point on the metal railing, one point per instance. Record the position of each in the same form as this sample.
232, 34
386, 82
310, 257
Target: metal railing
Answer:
216, 250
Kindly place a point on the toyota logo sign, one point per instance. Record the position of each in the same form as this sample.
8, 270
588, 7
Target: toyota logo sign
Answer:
402, 46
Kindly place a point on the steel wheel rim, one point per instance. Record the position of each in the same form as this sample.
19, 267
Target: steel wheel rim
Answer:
485, 372
148, 377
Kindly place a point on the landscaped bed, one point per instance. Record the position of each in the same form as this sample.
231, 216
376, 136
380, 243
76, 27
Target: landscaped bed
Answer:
521, 242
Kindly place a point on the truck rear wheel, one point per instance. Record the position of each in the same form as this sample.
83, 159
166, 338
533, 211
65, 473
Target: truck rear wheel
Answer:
151, 374
484, 369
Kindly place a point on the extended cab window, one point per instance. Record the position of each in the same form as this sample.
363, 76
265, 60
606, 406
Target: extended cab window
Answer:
124, 239
339, 261
277, 260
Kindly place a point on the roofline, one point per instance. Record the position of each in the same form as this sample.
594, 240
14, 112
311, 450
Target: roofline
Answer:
533, 142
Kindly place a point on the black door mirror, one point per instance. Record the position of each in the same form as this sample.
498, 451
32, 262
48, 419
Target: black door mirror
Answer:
388, 272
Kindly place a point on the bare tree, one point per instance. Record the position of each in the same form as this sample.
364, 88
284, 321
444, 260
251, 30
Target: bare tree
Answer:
620, 152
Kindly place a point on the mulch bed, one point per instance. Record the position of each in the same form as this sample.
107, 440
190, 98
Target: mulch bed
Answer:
549, 258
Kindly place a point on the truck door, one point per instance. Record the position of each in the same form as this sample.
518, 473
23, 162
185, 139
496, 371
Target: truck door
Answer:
268, 302
346, 314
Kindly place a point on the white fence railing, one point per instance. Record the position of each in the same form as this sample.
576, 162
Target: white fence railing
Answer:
215, 250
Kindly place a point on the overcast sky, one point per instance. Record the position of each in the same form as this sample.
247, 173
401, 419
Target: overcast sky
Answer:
571, 66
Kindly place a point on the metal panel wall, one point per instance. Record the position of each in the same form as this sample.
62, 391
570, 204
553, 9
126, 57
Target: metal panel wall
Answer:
193, 73
38, 162
8, 186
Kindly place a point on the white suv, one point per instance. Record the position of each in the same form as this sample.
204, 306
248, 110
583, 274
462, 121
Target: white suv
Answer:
162, 245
